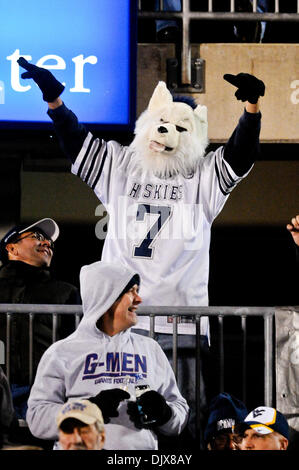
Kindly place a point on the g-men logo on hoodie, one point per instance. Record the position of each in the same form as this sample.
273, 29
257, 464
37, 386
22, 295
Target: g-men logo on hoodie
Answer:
115, 364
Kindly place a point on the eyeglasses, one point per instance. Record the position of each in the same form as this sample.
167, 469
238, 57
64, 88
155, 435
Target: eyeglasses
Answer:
37, 236
224, 440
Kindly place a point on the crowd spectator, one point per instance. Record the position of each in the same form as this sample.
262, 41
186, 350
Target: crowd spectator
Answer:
105, 362
26, 253
264, 428
219, 30
8, 420
250, 31
168, 30
225, 412
81, 426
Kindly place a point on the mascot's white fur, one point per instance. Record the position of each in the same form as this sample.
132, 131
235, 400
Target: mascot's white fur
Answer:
170, 136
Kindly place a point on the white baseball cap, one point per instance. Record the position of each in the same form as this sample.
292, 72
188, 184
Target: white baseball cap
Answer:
265, 420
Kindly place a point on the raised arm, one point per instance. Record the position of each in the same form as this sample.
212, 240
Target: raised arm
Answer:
242, 148
70, 132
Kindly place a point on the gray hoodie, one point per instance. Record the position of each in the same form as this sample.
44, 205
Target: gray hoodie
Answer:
88, 361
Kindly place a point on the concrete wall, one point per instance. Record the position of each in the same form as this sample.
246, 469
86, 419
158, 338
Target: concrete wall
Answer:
276, 64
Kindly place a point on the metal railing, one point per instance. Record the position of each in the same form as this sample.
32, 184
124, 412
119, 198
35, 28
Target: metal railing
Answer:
30, 310
243, 313
186, 15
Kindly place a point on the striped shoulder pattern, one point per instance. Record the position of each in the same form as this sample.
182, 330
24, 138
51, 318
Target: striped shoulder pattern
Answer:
227, 179
91, 159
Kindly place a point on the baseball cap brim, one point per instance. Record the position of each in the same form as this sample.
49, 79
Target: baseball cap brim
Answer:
269, 420
258, 427
48, 226
77, 415
82, 410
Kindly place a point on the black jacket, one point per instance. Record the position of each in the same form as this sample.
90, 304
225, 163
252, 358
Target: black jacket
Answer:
22, 283
8, 420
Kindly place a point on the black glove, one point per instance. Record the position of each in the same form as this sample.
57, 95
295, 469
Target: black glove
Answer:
149, 410
108, 402
249, 87
50, 87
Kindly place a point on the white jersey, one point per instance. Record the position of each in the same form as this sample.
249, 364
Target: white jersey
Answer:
157, 227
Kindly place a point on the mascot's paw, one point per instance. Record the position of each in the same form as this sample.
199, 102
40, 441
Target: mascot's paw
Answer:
45, 80
249, 87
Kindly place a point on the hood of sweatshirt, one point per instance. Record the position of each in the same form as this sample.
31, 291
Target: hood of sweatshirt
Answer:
101, 284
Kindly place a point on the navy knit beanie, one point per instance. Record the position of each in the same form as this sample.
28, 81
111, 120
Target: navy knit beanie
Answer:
225, 412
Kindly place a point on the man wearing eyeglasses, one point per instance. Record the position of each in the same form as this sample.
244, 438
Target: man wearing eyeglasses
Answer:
26, 253
36, 249
225, 411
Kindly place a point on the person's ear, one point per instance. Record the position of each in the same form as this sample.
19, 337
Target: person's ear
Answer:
11, 249
284, 443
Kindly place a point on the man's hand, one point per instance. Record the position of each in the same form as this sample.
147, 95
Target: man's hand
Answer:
45, 80
293, 228
150, 408
249, 87
108, 401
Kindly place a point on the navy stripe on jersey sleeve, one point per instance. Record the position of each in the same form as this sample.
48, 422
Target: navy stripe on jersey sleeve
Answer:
226, 180
91, 160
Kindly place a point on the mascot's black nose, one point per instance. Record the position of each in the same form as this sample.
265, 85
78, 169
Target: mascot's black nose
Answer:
162, 129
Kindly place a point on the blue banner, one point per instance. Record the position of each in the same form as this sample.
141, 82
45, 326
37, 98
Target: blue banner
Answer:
89, 47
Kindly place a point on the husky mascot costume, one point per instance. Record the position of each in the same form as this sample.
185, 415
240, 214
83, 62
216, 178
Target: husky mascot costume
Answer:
162, 193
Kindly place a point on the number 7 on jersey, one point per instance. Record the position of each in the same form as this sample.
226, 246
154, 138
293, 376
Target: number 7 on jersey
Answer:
145, 249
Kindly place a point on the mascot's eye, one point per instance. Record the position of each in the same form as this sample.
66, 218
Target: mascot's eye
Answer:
180, 129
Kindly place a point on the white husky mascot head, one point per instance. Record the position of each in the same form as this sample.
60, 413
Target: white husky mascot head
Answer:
170, 135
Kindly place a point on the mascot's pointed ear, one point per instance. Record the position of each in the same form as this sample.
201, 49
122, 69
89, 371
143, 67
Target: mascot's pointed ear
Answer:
201, 115
160, 98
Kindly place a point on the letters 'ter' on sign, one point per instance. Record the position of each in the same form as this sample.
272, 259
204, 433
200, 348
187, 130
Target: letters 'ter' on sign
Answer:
51, 62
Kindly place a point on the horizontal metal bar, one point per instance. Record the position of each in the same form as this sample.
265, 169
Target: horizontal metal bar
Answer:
213, 311
220, 16
40, 308
142, 310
